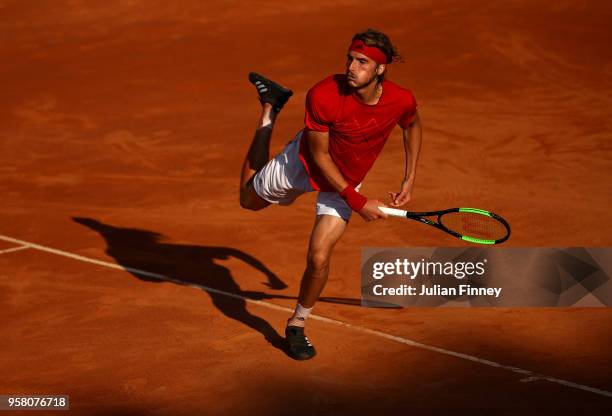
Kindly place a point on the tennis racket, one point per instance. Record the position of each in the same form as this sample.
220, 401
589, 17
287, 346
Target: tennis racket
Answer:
469, 224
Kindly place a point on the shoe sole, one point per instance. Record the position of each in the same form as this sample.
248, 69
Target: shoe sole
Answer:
302, 358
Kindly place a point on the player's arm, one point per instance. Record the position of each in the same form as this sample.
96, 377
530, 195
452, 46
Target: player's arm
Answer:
413, 137
318, 144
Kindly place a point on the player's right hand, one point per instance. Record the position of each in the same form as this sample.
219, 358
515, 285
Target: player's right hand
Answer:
370, 211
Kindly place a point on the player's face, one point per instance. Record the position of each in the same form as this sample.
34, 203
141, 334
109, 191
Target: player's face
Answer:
360, 70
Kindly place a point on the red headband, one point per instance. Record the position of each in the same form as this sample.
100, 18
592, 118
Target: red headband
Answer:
370, 51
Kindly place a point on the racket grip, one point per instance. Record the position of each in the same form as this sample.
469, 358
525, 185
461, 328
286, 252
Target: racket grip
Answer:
394, 212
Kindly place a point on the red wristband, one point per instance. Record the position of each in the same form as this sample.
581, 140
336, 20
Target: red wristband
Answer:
353, 198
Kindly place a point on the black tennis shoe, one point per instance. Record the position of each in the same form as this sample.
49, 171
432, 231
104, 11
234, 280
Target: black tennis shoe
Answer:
269, 91
298, 344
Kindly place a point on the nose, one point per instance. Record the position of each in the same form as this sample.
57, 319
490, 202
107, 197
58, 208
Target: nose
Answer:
350, 64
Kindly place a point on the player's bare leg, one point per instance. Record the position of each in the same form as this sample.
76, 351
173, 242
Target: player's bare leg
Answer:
325, 234
272, 97
257, 156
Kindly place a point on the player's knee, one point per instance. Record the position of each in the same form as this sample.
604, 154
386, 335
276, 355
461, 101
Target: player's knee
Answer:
250, 202
245, 202
318, 259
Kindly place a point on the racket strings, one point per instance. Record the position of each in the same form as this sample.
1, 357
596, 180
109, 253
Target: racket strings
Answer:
474, 225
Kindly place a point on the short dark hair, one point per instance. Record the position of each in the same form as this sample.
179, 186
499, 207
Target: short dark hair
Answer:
376, 38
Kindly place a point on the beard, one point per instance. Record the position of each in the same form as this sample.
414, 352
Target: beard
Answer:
354, 84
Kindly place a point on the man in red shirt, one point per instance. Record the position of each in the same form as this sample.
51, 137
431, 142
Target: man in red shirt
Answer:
348, 120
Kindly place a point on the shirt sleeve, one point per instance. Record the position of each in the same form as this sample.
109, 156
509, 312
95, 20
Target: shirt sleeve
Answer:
315, 118
409, 112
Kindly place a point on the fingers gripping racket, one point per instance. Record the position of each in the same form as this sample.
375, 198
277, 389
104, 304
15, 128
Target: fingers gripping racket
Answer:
469, 224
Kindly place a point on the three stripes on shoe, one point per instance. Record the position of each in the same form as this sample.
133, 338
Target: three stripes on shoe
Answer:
261, 87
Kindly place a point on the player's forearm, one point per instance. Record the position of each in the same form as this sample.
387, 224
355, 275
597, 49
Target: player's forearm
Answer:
330, 171
354, 199
318, 143
413, 137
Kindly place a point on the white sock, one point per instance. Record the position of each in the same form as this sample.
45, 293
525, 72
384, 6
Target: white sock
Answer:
299, 316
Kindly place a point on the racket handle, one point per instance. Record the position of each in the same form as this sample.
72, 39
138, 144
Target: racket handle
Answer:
394, 212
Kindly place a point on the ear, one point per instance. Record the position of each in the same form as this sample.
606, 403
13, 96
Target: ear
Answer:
380, 69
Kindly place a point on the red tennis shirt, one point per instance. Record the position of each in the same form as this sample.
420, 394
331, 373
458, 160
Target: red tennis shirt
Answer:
357, 131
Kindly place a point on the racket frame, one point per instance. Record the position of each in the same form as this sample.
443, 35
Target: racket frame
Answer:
420, 216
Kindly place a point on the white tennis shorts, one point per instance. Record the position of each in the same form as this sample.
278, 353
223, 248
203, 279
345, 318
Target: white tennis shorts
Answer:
284, 178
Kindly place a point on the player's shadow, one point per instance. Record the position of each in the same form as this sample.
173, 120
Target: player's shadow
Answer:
139, 251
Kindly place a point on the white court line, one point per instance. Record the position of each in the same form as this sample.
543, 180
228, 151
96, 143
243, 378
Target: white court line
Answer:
527, 374
12, 250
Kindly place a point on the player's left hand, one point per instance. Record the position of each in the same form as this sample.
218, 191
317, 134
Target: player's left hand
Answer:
403, 196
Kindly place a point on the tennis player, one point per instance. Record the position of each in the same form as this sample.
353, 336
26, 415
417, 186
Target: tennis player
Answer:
348, 120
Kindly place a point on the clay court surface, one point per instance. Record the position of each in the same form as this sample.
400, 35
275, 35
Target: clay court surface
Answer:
123, 126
